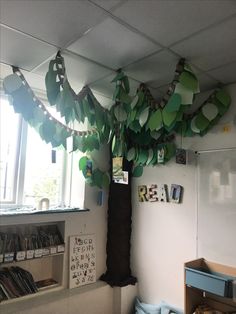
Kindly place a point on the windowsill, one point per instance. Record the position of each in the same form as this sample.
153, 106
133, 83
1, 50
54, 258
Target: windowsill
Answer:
26, 211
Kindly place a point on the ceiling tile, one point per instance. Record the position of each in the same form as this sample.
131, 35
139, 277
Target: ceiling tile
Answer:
113, 45
170, 21
156, 93
156, 70
5, 70
225, 74
163, 89
206, 82
79, 71
57, 22
22, 51
211, 48
106, 102
108, 5
105, 87
36, 82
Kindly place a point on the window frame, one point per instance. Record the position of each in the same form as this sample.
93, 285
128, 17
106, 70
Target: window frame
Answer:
20, 168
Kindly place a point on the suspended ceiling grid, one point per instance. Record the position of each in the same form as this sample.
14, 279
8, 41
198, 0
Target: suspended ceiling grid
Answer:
145, 38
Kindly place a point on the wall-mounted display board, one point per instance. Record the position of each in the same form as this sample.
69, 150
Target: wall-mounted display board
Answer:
217, 206
82, 264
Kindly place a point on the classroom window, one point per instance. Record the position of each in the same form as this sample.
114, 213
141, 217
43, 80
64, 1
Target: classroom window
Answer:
32, 170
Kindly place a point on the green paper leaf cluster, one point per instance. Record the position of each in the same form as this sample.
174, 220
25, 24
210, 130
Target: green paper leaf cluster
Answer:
210, 112
97, 178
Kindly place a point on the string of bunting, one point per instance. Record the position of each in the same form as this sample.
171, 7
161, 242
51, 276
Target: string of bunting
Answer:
149, 127
138, 127
40, 104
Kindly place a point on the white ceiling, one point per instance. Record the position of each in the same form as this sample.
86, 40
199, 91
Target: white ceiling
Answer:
143, 37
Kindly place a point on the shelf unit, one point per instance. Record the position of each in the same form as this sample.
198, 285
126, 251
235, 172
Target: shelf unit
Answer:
43, 267
195, 296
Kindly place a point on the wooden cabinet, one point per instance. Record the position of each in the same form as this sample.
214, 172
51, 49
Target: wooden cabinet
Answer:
211, 284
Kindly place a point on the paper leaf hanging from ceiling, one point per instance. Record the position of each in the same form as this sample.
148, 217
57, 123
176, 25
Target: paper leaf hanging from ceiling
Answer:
138, 125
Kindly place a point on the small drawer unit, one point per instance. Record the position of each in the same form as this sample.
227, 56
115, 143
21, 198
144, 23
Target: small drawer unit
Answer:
208, 281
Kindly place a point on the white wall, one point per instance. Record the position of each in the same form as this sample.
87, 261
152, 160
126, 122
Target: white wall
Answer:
100, 299
164, 234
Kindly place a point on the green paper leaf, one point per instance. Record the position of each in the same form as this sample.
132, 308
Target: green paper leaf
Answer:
52, 86
97, 177
155, 120
194, 128
189, 131
210, 111
126, 84
170, 150
221, 108
99, 118
134, 101
116, 95
201, 122
113, 144
86, 109
79, 110
47, 130
39, 115
118, 77
140, 98
78, 143
142, 138
137, 171
150, 156
185, 93
142, 156
155, 134
23, 103
223, 97
131, 154
131, 117
124, 97
83, 162
179, 115
120, 113
12, 83
174, 103
189, 81
135, 126
168, 117
91, 142
143, 116
187, 67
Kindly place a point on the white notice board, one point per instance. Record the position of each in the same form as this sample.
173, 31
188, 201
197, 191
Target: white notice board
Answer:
217, 206
82, 263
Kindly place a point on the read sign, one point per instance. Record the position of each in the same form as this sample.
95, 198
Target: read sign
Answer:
159, 193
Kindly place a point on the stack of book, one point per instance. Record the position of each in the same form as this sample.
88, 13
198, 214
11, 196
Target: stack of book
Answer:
16, 282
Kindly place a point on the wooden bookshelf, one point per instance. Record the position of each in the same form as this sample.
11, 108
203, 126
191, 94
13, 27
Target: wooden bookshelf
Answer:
44, 267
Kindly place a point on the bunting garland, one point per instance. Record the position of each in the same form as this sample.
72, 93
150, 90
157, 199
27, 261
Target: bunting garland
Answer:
149, 127
138, 128
38, 116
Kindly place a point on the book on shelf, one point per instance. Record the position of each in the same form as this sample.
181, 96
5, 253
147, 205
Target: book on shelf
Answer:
16, 282
35, 242
46, 283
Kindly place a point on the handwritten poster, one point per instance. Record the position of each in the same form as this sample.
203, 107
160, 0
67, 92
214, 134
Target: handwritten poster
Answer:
82, 264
